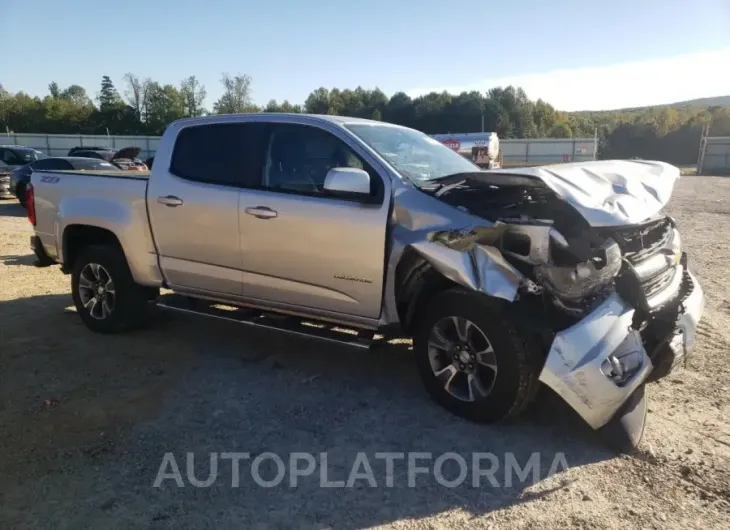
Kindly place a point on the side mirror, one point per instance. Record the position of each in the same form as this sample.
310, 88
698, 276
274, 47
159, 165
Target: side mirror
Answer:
347, 180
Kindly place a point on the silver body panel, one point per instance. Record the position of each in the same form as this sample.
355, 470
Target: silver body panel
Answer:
573, 365
332, 259
118, 205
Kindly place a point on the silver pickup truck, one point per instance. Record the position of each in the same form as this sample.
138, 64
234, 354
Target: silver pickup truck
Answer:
568, 275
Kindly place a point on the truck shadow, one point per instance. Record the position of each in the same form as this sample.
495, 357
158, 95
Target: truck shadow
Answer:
12, 208
192, 385
28, 260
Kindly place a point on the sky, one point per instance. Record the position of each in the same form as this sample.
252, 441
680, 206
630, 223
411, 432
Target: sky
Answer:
576, 55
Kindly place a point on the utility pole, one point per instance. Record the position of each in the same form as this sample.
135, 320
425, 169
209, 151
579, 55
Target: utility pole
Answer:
703, 146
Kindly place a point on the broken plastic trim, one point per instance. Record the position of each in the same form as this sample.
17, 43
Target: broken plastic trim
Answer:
579, 281
468, 258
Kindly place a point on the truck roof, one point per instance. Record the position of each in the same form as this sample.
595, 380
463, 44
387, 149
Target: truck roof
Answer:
262, 116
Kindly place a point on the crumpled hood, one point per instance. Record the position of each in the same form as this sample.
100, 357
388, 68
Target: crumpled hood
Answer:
608, 192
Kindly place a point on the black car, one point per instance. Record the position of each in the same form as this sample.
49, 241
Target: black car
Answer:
74, 150
124, 158
95, 153
11, 157
20, 177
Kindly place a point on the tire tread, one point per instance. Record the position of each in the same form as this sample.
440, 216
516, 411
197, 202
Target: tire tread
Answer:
525, 349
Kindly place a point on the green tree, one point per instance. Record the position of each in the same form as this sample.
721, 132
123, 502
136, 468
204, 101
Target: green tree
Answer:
136, 93
165, 104
560, 130
54, 90
108, 97
76, 95
399, 109
193, 95
284, 106
318, 102
670, 133
236, 96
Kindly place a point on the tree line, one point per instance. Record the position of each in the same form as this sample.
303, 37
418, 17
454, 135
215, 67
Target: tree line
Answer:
146, 107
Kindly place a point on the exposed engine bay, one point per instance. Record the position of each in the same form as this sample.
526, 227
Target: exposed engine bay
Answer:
574, 265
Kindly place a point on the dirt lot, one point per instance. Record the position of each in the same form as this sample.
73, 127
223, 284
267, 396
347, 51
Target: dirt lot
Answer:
85, 420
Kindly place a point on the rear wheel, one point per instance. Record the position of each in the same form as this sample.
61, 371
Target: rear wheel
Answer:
472, 361
104, 292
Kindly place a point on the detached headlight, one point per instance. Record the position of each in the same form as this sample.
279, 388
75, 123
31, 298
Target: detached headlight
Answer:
585, 278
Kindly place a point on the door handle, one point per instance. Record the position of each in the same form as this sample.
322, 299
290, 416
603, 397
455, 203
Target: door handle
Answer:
262, 212
170, 200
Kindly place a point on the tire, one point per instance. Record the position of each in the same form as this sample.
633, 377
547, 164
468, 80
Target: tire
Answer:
503, 393
126, 308
20, 194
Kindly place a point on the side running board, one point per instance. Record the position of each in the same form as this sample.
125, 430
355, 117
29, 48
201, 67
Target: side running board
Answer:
252, 317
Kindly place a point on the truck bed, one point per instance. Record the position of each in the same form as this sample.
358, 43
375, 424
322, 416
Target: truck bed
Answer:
117, 201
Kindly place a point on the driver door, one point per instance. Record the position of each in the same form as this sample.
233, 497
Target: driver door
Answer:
306, 249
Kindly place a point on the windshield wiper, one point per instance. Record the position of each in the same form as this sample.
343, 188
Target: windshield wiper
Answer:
447, 182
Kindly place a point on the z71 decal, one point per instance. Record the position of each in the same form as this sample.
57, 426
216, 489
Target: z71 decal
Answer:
50, 180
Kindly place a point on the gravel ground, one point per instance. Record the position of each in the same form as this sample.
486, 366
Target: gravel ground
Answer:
86, 420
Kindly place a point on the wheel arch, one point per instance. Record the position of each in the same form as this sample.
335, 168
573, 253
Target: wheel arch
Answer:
77, 237
416, 281
427, 268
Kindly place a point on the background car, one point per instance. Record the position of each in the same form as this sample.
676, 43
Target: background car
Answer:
74, 150
124, 158
20, 176
11, 157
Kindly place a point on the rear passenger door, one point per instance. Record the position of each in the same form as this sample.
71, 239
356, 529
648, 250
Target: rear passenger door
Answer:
303, 247
193, 208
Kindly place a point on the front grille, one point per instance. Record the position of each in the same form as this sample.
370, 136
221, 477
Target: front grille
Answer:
638, 243
658, 283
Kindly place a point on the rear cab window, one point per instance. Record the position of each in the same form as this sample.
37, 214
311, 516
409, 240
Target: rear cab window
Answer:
219, 153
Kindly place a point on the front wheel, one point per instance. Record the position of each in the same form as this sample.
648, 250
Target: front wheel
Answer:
472, 361
104, 292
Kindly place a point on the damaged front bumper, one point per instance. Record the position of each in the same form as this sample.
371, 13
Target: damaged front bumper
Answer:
596, 364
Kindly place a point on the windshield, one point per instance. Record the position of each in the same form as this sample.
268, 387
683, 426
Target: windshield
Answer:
414, 154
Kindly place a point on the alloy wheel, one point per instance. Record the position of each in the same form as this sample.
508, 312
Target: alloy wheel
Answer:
96, 291
462, 358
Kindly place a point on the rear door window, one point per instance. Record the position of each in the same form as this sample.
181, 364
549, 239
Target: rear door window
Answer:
219, 153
